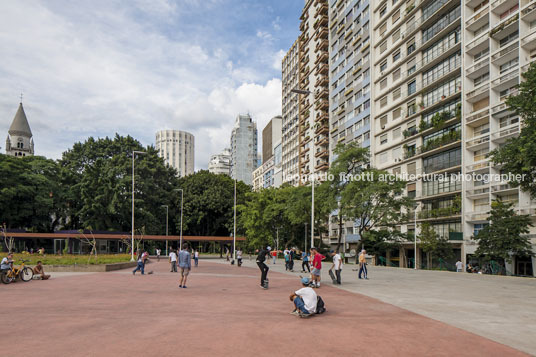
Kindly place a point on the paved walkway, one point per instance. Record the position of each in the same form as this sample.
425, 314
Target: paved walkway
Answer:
497, 307
223, 312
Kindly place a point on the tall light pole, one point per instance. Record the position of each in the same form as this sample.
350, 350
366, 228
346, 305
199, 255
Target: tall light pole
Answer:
305, 238
167, 220
307, 92
415, 237
234, 226
134, 152
182, 200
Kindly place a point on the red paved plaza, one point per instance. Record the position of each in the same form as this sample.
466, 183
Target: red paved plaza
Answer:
223, 312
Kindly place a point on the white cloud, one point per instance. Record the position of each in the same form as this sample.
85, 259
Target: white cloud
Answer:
98, 70
278, 58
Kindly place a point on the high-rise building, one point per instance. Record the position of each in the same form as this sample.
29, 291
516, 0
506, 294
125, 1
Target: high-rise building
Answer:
19, 141
269, 174
290, 129
417, 111
350, 87
244, 149
314, 78
221, 163
177, 149
499, 44
270, 135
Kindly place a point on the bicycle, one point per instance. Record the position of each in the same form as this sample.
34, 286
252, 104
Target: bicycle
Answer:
23, 273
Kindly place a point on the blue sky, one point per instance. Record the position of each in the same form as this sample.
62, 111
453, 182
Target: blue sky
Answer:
135, 67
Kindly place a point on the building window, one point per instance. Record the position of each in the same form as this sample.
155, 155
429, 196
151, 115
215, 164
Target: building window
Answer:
396, 56
383, 139
412, 87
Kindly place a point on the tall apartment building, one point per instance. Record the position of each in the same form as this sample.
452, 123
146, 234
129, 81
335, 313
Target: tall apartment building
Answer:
417, 109
270, 135
349, 83
269, 174
290, 129
313, 77
499, 43
177, 149
221, 163
244, 149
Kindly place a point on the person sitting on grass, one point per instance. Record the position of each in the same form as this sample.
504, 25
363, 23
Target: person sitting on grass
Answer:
40, 272
304, 299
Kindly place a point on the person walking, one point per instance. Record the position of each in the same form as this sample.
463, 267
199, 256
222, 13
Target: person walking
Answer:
459, 266
291, 256
274, 256
140, 266
262, 266
337, 265
185, 264
158, 254
317, 266
196, 257
239, 257
173, 261
363, 265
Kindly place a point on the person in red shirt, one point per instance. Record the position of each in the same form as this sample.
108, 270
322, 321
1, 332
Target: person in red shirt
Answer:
317, 266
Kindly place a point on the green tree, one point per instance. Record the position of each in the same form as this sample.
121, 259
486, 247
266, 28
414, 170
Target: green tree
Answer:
98, 177
505, 235
31, 195
383, 240
433, 245
518, 155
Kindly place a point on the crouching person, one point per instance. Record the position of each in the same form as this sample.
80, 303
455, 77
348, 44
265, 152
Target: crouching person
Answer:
305, 300
39, 272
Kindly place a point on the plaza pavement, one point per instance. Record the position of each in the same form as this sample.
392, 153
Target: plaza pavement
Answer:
500, 308
223, 312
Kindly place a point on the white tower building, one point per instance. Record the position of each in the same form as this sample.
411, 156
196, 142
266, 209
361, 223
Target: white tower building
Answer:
19, 141
177, 148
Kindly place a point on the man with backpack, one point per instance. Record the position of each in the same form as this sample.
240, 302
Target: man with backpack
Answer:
306, 302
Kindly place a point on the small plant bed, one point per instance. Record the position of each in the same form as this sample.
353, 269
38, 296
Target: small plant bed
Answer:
70, 259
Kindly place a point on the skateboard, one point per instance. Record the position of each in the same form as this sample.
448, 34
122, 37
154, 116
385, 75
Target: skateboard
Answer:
332, 276
265, 283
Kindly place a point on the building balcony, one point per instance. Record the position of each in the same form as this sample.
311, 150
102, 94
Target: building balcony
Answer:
432, 214
500, 6
322, 45
477, 167
478, 117
505, 54
322, 58
477, 143
322, 105
503, 188
321, 94
324, 141
321, 69
322, 129
478, 19
322, 166
322, 153
505, 27
322, 118
477, 94
322, 81
478, 69
505, 81
528, 14
478, 192
321, 10
478, 44
529, 42
478, 216
321, 33
321, 22
503, 135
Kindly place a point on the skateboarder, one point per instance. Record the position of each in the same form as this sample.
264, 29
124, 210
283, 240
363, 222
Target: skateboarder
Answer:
337, 266
304, 299
262, 266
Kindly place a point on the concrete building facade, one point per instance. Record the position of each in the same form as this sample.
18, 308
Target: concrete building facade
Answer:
177, 148
244, 149
221, 163
19, 140
290, 116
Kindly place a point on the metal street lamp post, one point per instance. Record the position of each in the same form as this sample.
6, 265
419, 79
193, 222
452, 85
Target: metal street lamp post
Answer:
167, 220
182, 200
234, 226
415, 237
134, 152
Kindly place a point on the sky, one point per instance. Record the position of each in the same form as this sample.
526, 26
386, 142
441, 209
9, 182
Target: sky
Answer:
100, 67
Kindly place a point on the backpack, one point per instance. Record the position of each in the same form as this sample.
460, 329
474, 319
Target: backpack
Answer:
320, 306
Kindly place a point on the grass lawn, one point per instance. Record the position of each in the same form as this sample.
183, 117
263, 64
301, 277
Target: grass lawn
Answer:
69, 259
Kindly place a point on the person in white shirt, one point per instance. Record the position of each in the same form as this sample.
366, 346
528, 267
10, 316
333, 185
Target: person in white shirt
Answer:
173, 261
196, 258
239, 257
459, 266
337, 265
304, 300
158, 254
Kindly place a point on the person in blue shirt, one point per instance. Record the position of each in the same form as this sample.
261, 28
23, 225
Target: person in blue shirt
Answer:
185, 264
305, 262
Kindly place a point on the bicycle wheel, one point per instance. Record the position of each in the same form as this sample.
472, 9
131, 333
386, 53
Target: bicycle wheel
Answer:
5, 278
26, 274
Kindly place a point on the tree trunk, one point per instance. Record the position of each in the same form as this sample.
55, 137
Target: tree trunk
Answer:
340, 234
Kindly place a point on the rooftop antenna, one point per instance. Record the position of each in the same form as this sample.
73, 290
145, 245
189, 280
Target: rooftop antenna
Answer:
21, 97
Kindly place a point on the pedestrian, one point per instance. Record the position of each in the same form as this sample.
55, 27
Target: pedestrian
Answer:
305, 262
227, 254
317, 266
185, 264
140, 265
196, 257
157, 254
262, 266
239, 257
173, 261
274, 256
363, 265
459, 266
292, 254
337, 266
